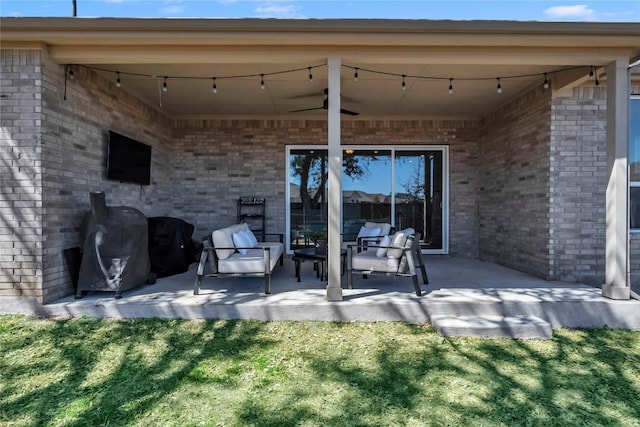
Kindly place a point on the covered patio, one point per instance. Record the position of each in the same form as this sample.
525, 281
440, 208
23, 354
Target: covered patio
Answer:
536, 145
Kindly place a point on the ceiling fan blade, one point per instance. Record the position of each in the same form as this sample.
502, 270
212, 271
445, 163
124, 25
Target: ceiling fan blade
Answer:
307, 109
348, 112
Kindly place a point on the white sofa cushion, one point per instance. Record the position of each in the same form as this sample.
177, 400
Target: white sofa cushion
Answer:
223, 238
252, 261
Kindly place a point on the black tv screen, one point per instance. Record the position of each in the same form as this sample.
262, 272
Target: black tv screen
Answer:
128, 160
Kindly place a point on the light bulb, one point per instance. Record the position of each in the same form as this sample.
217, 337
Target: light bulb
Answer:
450, 86
404, 84
499, 87
164, 85
262, 81
310, 75
355, 75
546, 82
118, 82
214, 88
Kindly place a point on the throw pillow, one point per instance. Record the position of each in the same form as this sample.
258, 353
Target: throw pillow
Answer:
253, 242
240, 240
382, 251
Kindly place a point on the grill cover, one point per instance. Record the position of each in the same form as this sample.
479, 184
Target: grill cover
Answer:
122, 236
171, 249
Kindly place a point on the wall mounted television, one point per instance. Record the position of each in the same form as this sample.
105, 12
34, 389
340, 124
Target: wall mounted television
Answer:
128, 160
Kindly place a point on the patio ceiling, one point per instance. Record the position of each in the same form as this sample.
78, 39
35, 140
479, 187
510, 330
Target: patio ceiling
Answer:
472, 53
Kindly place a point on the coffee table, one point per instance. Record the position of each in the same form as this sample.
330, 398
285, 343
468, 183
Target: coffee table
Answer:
319, 260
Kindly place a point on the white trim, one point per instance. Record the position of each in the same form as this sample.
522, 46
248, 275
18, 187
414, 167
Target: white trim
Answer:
632, 183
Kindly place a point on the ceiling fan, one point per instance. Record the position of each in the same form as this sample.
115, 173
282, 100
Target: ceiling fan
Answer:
325, 106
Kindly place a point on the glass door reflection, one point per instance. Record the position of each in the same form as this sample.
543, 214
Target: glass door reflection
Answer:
418, 195
307, 195
366, 189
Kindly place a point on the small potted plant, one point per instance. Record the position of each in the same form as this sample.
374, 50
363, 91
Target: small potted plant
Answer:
319, 239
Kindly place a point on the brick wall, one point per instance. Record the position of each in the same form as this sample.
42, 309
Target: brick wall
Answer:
578, 187
54, 151
74, 147
578, 183
22, 232
219, 161
513, 167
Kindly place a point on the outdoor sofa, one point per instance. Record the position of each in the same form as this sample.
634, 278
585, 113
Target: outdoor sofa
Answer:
233, 251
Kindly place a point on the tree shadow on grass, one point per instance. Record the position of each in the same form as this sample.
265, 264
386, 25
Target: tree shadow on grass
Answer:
131, 384
469, 382
290, 374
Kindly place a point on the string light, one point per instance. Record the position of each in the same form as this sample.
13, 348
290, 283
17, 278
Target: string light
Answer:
70, 74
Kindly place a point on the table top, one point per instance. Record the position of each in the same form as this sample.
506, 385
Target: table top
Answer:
310, 253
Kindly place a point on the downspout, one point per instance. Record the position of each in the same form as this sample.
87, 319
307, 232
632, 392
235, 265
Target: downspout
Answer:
633, 294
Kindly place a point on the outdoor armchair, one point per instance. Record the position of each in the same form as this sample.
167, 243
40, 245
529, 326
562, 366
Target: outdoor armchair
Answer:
397, 255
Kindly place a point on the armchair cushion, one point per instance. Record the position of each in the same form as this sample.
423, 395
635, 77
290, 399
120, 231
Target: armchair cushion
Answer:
368, 232
398, 241
369, 261
384, 227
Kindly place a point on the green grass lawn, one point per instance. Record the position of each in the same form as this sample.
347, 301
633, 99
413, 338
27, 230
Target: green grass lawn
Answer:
95, 372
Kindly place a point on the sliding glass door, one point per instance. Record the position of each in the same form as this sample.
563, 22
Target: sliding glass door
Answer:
366, 189
403, 186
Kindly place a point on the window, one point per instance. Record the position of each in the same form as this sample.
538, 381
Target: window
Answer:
634, 163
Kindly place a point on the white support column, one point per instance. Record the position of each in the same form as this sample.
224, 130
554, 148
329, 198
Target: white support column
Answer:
617, 215
334, 286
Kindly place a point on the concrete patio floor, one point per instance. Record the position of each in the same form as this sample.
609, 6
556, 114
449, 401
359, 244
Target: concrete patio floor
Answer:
458, 287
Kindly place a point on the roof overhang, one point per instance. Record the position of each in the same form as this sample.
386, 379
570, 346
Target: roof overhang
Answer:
236, 47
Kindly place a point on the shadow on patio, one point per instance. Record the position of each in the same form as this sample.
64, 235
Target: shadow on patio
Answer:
458, 287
